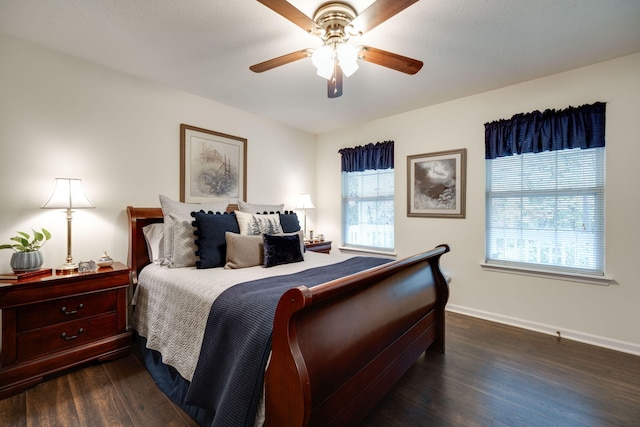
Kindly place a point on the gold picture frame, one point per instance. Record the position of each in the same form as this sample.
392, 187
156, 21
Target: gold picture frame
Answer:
213, 165
436, 184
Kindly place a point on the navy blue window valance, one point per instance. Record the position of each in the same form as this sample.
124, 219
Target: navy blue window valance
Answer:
367, 157
573, 127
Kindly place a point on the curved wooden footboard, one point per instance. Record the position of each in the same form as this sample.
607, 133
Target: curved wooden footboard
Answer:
339, 347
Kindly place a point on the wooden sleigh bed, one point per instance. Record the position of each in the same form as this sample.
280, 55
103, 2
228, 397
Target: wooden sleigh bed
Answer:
338, 347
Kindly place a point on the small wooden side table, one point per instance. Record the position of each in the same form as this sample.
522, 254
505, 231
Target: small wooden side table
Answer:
57, 321
322, 247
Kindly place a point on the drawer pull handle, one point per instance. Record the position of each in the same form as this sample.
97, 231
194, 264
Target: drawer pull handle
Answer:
64, 335
66, 313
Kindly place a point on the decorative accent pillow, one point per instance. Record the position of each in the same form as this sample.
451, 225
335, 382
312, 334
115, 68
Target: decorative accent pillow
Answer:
256, 208
289, 222
251, 224
154, 236
179, 246
297, 233
210, 237
243, 251
281, 249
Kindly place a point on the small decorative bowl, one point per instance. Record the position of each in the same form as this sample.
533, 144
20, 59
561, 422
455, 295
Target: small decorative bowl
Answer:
105, 260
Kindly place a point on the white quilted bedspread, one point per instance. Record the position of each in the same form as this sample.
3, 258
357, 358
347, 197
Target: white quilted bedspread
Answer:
172, 304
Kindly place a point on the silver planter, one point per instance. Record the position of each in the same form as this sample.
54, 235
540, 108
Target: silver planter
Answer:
26, 261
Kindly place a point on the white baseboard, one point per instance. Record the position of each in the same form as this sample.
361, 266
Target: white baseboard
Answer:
612, 344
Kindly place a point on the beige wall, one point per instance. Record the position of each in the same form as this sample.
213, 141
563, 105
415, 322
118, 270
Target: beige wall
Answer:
606, 315
60, 116
64, 117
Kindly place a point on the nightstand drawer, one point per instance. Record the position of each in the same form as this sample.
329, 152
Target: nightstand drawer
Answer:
64, 310
65, 335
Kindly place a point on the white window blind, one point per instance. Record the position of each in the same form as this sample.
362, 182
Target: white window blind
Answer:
368, 209
546, 210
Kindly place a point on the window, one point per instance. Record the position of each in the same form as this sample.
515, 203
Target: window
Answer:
545, 190
368, 209
367, 196
547, 210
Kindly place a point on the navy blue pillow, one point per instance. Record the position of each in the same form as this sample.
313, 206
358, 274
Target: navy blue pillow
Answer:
289, 222
210, 238
279, 249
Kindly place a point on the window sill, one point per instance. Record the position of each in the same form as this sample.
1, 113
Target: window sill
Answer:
348, 249
557, 275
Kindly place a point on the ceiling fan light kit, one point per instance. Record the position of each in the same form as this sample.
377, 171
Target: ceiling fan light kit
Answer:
326, 57
334, 23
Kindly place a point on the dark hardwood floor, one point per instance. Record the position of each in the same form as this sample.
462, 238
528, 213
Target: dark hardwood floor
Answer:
491, 375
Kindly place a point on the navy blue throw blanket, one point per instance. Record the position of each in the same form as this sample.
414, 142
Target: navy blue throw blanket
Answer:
229, 376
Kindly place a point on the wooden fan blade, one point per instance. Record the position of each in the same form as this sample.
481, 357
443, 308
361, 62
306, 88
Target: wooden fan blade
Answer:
390, 60
378, 12
290, 12
334, 84
280, 60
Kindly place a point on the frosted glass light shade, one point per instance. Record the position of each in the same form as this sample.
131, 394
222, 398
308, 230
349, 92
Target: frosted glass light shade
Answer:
323, 59
347, 58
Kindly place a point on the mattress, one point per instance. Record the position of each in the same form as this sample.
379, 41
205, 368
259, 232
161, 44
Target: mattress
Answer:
172, 304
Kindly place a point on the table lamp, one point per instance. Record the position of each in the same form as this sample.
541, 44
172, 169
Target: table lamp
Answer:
68, 195
304, 203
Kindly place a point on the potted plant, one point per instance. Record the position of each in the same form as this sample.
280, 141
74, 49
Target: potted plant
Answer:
27, 254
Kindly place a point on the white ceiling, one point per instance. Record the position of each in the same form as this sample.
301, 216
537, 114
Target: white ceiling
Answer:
205, 47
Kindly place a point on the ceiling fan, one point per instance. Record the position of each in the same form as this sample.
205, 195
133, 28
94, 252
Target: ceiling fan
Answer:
334, 23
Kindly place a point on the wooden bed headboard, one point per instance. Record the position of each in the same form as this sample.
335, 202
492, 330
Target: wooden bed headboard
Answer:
138, 218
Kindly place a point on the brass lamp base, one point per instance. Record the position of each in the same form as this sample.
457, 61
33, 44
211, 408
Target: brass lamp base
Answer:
67, 268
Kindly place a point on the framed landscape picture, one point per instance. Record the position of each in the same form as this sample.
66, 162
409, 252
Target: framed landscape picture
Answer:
213, 165
436, 184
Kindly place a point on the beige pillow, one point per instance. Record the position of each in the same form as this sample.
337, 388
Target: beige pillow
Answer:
244, 251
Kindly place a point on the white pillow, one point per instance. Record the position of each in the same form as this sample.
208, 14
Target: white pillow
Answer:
179, 240
256, 208
154, 236
250, 224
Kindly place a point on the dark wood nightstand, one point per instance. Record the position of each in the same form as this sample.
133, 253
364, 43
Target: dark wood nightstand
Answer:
323, 247
53, 322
